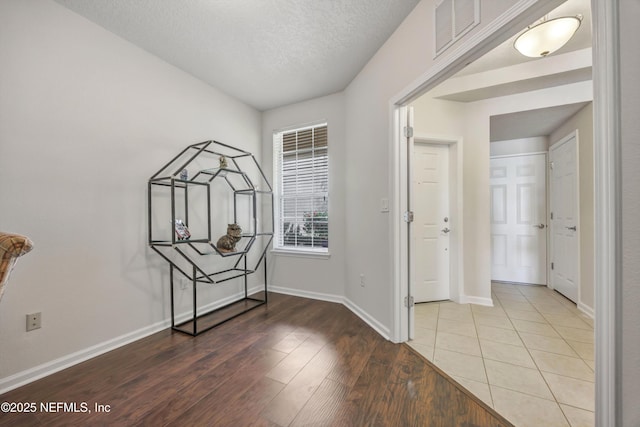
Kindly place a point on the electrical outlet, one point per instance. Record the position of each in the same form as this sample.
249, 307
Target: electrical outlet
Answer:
34, 321
362, 280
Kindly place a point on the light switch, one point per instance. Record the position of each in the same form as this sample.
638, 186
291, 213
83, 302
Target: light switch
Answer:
384, 205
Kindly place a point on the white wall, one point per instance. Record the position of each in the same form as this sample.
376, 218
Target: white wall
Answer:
583, 122
85, 119
630, 286
314, 276
404, 58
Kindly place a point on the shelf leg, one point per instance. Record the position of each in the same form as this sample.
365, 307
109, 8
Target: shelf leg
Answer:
246, 290
195, 304
265, 276
173, 323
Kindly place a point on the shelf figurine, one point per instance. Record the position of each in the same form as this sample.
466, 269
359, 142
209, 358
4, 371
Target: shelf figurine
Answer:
227, 243
181, 230
223, 162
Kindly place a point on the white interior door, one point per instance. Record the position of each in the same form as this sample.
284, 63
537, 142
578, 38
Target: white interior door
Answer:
518, 217
565, 241
431, 222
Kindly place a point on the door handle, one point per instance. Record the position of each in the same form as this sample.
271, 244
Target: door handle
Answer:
574, 228
540, 226
445, 230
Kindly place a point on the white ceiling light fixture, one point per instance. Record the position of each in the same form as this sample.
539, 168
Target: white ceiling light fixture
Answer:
547, 36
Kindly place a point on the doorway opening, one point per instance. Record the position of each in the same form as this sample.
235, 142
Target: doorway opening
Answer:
606, 192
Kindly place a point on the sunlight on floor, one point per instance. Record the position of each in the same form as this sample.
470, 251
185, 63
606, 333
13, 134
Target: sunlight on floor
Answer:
530, 357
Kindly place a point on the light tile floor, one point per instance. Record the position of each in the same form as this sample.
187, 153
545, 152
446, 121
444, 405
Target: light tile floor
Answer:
530, 356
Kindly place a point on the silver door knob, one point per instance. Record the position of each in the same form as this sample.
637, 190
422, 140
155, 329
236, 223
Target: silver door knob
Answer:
445, 230
540, 226
574, 228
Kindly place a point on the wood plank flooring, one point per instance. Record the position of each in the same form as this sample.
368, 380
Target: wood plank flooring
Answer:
293, 362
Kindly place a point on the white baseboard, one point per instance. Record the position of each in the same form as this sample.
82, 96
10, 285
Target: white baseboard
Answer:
589, 311
307, 294
45, 369
465, 299
25, 377
366, 317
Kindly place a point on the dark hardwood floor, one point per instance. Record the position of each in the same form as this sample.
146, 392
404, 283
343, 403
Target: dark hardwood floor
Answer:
294, 362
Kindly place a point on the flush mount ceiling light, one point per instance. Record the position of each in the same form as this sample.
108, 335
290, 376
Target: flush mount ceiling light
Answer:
548, 36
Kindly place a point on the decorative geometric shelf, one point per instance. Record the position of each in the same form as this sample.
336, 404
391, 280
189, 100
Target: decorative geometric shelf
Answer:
206, 193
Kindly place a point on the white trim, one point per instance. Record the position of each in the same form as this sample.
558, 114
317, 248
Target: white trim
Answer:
367, 318
56, 365
25, 377
299, 253
606, 72
586, 310
456, 208
464, 299
49, 368
306, 294
362, 314
398, 173
278, 189
532, 153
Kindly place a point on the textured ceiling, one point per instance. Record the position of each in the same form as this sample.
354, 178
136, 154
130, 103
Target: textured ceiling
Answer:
267, 53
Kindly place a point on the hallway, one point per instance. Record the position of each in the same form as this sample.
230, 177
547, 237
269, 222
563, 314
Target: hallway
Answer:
530, 357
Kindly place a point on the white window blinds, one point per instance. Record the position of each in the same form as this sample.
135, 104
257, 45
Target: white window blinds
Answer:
301, 166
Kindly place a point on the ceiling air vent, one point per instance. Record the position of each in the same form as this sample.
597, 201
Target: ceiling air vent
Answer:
453, 19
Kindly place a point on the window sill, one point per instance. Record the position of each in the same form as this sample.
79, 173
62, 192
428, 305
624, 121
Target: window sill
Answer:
301, 253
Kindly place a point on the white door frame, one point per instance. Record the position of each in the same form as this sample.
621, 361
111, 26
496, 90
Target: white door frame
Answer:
456, 271
404, 314
456, 256
606, 67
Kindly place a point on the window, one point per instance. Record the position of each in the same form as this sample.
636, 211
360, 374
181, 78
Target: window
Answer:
301, 169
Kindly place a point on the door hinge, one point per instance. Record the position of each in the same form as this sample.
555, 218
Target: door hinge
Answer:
552, 266
409, 302
551, 215
408, 132
408, 216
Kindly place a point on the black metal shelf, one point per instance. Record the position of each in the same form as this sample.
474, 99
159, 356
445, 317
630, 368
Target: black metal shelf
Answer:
192, 258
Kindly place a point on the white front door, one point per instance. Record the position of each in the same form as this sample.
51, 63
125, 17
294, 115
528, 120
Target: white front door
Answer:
431, 222
565, 244
518, 219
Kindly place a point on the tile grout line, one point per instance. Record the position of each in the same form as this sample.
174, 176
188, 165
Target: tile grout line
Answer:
527, 299
561, 336
538, 367
484, 365
524, 344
